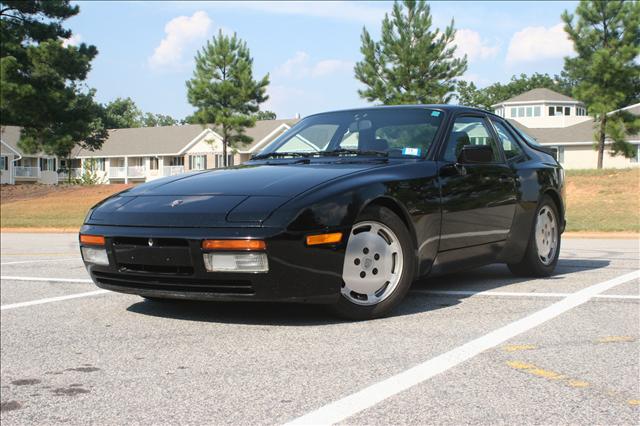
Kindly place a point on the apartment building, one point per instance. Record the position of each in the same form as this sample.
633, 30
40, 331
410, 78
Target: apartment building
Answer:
561, 122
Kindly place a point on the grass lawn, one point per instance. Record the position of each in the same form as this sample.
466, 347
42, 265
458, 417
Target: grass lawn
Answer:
40, 206
597, 201
603, 200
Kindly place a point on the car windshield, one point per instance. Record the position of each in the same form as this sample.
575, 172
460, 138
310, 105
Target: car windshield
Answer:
402, 132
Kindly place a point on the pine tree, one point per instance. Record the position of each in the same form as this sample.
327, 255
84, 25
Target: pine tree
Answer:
411, 63
41, 86
223, 90
606, 37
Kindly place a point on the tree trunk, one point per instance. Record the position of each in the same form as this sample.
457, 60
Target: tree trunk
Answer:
224, 151
601, 138
69, 170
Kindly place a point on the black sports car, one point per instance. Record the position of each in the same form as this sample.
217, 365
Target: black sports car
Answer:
346, 208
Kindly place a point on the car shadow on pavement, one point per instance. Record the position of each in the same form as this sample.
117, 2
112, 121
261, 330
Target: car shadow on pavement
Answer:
291, 314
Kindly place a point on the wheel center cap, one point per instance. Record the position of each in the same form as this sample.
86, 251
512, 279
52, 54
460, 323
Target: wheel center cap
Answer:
367, 263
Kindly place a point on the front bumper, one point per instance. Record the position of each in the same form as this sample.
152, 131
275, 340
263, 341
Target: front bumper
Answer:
297, 273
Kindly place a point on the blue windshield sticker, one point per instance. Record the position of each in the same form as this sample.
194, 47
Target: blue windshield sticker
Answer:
435, 113
411, 151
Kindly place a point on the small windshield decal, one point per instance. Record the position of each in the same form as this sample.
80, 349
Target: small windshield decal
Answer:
411, 151
435, 113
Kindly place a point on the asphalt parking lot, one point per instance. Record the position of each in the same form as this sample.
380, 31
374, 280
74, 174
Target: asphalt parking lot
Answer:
479, 347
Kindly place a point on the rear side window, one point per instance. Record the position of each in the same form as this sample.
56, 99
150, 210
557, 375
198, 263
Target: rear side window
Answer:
469, 131
507, 140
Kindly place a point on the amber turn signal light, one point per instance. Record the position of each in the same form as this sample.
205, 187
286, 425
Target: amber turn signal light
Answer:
314, 240
92, 240
240, 245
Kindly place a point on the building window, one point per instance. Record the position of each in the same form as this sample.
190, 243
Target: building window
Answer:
521, 112
558, 110
176, 161
567, 111
513, 112
219, 160
99, 164
4, 163
551, 111
559, 153
536, 111
529, 111
197, 162
153, 163
48, 164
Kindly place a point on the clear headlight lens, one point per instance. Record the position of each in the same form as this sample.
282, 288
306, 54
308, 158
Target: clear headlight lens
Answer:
95, 255
236, 262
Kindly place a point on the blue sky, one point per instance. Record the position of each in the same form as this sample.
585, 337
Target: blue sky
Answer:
147, 48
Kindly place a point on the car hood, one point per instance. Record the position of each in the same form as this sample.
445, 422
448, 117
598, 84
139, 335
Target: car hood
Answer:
218, 198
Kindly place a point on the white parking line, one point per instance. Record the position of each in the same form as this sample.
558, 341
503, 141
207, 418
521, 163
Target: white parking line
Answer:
349, 405
40, 261
52, 299
45, 279
516, 294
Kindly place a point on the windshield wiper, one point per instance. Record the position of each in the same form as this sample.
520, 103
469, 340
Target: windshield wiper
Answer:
341, 151
280, 155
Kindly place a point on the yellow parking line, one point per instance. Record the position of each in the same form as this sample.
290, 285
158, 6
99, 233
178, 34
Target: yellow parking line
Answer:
546, 374
615, 339
634, 402
514, 348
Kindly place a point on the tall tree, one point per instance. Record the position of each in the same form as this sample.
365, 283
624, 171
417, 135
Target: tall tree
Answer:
121, 114
41, 79
265, 115
150, 119
469, 95
223, 90
606, 37
411, 63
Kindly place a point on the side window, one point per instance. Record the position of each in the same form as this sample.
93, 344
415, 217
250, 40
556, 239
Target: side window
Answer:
469, 131
509, 143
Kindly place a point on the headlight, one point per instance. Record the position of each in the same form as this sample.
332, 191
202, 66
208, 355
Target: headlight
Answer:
95, 255
236, 262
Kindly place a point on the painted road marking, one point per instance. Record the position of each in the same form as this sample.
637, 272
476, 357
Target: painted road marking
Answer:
517, 294
45, 279
615, 339
368, 397
52, 299
514, 348
40, 261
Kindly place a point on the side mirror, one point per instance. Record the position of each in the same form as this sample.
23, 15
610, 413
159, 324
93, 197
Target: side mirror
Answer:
475, 154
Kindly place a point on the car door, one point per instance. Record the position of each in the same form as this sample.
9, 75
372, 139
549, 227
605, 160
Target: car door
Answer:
478, 198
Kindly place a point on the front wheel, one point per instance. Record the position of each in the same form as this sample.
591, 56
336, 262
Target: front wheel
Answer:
543, 250
379, 265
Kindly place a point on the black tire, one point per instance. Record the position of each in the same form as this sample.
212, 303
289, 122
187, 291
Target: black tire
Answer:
531, 265
351, 311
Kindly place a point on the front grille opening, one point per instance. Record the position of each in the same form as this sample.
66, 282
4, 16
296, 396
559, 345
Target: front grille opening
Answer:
157, 242
158, 269
178, 284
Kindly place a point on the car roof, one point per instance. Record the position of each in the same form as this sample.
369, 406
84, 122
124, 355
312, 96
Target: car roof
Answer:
442, 107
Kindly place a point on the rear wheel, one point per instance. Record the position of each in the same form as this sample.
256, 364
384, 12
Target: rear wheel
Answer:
542, 253
378, 266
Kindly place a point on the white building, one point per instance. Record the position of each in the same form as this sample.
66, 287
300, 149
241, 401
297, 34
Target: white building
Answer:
138, 154
17, 167
558, 121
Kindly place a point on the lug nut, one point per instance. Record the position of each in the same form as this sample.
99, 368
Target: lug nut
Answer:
363, 274
356, 261
375, 271
365, 251
376, 256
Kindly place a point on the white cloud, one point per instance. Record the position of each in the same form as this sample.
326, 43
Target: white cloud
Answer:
538, 43
181, 32
331, 66
471, 44
300, 66
74, 40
